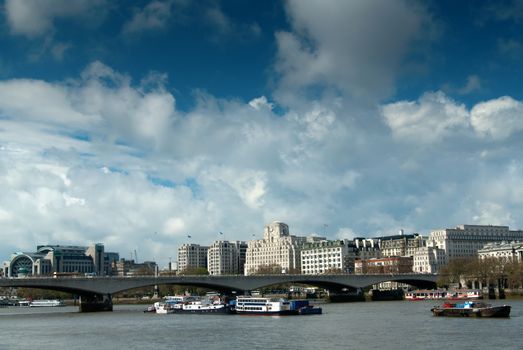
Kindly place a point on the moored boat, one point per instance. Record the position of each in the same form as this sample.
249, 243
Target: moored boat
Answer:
441, 294
203, 307
471, 309
47, 303
248, 305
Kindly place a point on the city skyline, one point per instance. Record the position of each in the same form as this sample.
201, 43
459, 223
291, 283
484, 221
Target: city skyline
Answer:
139, 125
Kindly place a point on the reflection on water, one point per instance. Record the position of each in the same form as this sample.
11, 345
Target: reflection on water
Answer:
370, 325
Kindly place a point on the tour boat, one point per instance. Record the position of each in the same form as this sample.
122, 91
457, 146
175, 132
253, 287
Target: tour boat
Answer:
248, 305
471, 309
203, 307
438, 294
47, 303
164, 308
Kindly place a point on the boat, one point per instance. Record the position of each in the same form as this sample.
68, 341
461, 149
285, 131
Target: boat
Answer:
471, 309
441, 294
47, 303
150, 308
24, 303
249, 305
205, 306
164, 308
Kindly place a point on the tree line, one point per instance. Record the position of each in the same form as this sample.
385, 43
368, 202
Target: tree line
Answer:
488, 272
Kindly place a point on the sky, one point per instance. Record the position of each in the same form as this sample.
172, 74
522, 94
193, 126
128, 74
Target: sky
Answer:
140, 123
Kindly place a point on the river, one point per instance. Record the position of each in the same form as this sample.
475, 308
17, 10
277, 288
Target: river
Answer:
363, 325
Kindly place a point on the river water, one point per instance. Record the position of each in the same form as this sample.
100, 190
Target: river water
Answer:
363, 325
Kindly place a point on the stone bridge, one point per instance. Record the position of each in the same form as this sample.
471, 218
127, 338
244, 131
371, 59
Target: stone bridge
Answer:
96, 292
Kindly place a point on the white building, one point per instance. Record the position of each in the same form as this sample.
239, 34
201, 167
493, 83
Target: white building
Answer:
460, 242
428, 260
226, 258
328, 257
512, 251
277, 248
192, 256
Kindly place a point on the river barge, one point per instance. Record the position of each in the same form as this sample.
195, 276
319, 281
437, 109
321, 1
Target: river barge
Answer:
471, 309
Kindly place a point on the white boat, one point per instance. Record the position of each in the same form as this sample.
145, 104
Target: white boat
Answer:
262, 306
443, 294
47, 303
164, 308
205, 306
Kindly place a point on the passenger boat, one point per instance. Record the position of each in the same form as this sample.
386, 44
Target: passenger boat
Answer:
205, 306
440, 294
163, 308
248, 305
471, 309
47, 303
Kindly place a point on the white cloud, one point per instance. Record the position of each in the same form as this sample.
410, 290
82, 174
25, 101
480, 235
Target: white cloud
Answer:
101, 159
498, 118
155, 15
432, 118
261, 102
36, 18
473, 84
355, 47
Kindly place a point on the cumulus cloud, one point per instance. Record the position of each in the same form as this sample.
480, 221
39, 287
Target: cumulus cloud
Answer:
432, 118
498, 118
354, 47
155, 15
473, 84
36, 18
107, 157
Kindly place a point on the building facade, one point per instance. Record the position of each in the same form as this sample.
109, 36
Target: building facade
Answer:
226, 257
401, 244
459, 242
192, 256
328, 257
512, 251
367, 248
132, 268
277, 249
49, 259
385, 265
428, 259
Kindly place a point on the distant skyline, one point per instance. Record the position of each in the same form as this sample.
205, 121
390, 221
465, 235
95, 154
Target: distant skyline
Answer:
141, 124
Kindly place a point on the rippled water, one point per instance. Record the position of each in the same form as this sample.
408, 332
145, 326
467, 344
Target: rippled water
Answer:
370, 325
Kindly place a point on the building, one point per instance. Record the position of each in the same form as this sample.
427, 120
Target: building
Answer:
192, 256
226, 257
278, 249
367, 248
50, 259
131, 268
428, 259
401, 244
328, 257
512, 251
460, 242
385, 265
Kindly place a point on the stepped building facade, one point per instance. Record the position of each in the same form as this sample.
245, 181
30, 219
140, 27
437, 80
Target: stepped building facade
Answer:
278, 249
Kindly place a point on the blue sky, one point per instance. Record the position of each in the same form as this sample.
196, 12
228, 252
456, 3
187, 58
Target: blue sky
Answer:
139, 123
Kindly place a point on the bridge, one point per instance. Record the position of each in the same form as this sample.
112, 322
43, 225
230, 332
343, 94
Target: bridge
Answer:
96, 292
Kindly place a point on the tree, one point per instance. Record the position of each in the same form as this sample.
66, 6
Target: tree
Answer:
270, 269
194, 271
456, 270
